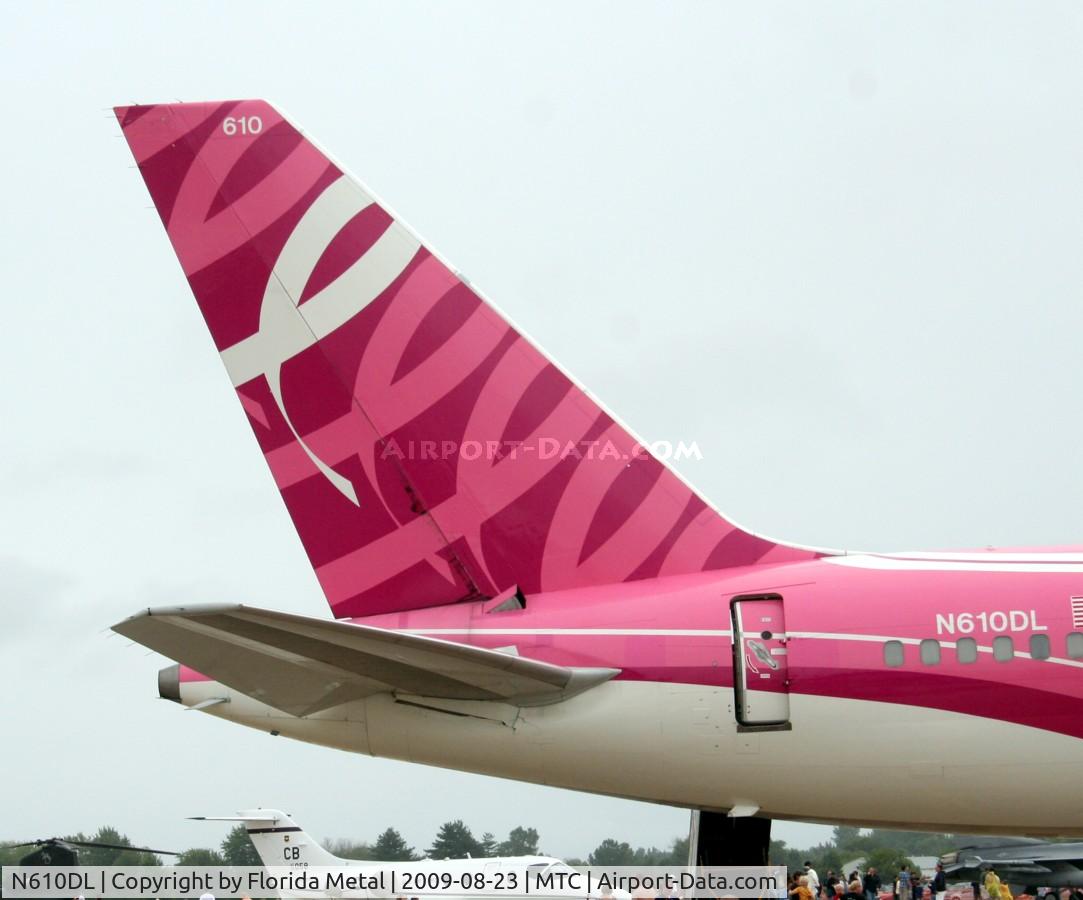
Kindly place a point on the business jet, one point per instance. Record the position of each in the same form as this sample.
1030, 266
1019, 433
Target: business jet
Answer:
280, 842
520, 587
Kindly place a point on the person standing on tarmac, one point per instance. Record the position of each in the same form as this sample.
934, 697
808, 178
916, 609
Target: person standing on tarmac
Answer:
872, 883
939, 884
903, 882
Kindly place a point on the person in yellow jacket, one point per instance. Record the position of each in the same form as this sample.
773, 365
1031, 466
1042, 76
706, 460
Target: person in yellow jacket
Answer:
801, 891
992, 885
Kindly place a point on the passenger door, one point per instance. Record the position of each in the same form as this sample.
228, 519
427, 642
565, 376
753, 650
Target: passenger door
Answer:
760, 671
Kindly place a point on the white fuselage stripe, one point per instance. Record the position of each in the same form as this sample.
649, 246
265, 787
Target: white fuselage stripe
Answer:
985, 556
649, 632
1072, 564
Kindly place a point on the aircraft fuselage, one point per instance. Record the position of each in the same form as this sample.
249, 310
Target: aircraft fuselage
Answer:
890, 690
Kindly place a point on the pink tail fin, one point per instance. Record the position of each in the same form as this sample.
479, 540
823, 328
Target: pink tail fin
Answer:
425, 450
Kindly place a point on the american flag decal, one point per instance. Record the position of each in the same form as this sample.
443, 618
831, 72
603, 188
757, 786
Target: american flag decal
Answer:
1077, 612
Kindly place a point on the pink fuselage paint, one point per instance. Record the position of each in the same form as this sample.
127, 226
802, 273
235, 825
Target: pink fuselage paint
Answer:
978, 741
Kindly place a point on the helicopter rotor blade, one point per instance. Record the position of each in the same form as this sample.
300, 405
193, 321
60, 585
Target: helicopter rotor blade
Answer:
118, 847
67, 842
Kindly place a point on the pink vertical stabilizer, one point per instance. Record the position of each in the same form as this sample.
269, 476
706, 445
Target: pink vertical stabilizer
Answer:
426, 451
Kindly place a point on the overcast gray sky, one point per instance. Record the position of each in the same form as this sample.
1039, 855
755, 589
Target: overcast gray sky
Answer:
836, 244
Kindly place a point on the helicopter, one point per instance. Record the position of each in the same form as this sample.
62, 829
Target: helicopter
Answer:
57, 851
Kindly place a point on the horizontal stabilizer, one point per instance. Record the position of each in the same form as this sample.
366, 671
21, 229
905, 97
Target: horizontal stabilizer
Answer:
302, 665
259, 819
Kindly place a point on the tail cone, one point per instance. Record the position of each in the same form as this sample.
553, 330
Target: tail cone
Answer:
169, 683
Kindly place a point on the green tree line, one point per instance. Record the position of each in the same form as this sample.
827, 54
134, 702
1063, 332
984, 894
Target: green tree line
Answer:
886, 849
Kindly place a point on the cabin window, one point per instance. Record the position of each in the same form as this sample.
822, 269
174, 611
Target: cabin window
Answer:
1003, 648
930, 652
1039, 646
1075, 645
966, 650
893, 653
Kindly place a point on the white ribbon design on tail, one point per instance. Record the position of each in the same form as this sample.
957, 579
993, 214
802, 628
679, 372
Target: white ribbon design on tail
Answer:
285, 329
